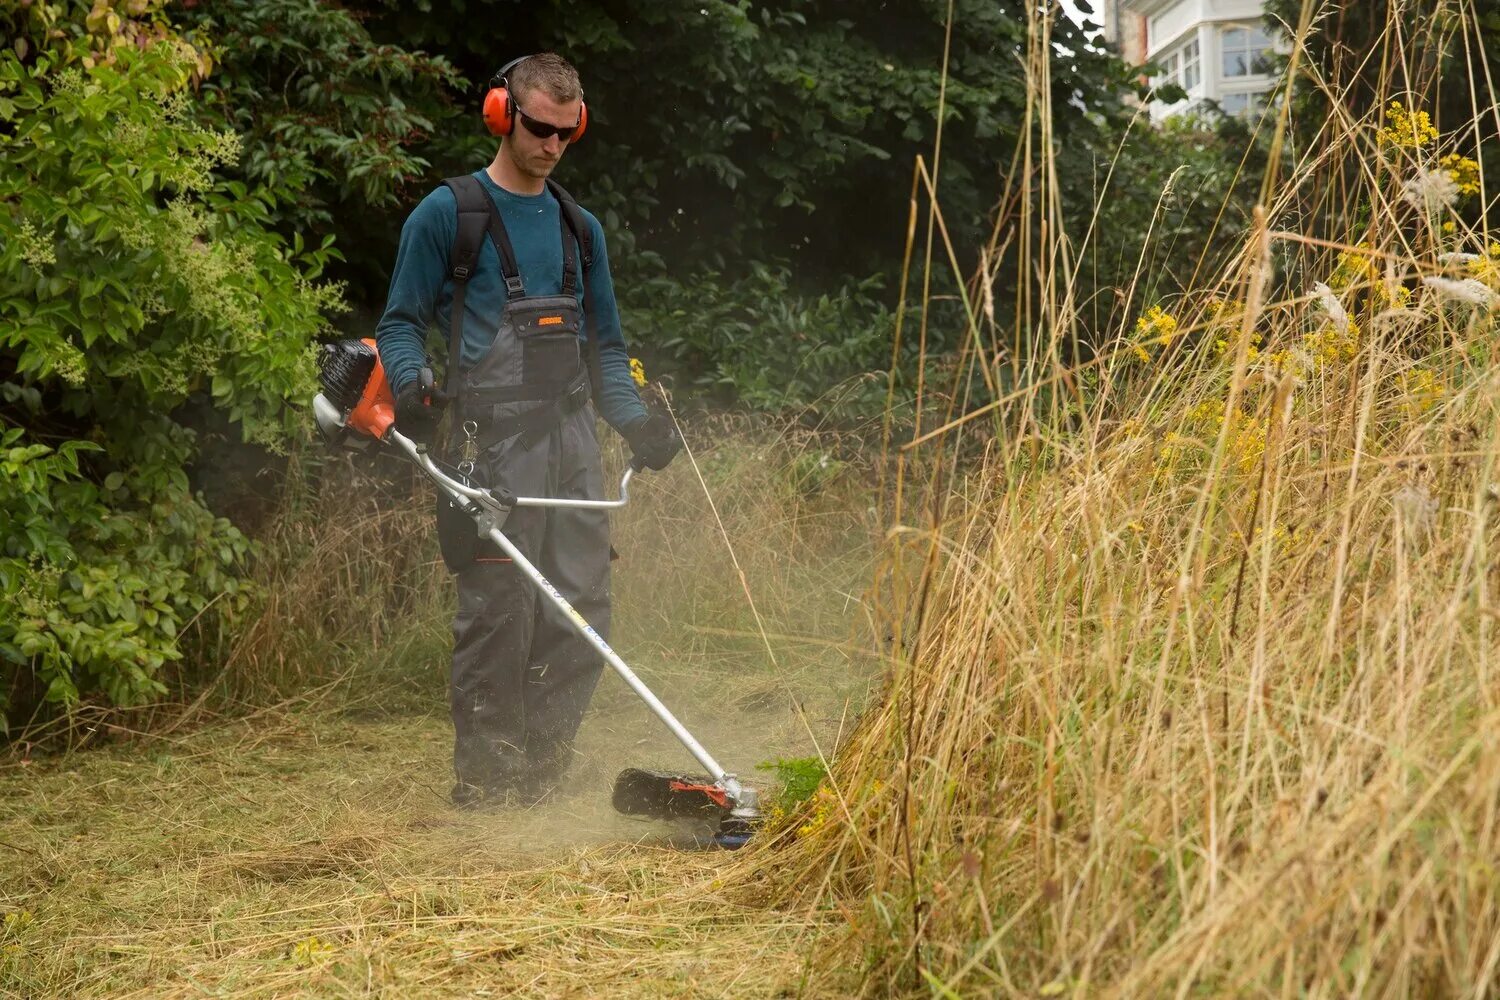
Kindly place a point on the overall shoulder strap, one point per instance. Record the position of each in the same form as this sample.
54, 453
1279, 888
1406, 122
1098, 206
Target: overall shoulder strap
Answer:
577, 224
474, 210
573, 219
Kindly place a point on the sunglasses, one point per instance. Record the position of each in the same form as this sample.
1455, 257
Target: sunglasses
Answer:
544, 130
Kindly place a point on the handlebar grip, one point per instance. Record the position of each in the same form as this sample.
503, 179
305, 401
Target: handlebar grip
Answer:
637, 463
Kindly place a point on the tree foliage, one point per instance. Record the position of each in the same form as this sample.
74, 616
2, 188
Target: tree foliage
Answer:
132, 278
331, 124
725, 131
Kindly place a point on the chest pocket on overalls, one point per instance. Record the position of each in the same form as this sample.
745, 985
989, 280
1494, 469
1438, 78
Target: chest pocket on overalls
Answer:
547, 329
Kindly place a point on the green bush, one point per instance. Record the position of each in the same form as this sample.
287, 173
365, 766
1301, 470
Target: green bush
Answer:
132, 280
757, 342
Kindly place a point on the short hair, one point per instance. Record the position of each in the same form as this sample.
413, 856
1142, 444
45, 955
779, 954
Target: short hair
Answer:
547, 72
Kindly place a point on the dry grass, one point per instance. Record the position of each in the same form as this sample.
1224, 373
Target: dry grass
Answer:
1195, 685
309, 849
312, 855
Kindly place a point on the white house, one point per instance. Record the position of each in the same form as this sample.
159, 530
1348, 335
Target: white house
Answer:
1217, 50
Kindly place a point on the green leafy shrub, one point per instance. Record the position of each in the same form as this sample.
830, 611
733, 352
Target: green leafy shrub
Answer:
799, 779
132, 279
757, 342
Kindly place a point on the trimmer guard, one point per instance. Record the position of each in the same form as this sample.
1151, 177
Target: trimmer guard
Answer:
665, 795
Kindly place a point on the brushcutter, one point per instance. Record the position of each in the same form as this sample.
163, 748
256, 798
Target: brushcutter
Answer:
356, 409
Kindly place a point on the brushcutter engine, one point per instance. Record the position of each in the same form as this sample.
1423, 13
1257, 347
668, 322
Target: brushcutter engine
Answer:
355, 409
356, 406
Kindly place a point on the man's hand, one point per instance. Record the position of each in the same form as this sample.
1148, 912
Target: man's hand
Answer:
654, 441
419, 408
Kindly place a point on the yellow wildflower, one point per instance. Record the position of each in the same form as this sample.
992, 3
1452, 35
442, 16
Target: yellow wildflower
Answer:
17, 921
1247, 443
1157, 324
310, 951
638, 372
1487, 267
1353, 267
1209, 412
1406, 129
1421, 390
1173, 448
1331, 345
822, 808
1278, 360
1464, 171
1224, 346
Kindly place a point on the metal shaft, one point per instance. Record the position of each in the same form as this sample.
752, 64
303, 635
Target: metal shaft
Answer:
611, 657
742, 795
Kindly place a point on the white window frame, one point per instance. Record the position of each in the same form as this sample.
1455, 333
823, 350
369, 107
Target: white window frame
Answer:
1257, 46
1192, 63
1255, 102
1171, 66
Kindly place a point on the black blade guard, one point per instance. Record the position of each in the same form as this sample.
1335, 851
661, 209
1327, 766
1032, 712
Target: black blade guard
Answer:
669, 796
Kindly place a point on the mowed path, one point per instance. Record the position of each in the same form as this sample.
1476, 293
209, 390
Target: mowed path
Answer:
312, 852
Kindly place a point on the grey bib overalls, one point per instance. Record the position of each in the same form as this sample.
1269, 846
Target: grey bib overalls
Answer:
521, 677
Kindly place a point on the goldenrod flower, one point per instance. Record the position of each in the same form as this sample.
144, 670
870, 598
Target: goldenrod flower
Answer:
1463, 171
1332, 345
1406, 129
1421, 390
1157, 324
1487, 267
1353, 267
638, 372
17, 921
1209, 412
823, 803
1248, 443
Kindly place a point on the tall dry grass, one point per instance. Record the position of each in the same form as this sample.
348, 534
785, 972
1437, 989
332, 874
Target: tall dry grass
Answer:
1193, 677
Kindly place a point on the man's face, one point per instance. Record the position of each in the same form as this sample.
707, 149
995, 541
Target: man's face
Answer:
532, 156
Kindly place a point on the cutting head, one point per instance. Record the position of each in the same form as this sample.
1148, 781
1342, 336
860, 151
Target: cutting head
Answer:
664, 795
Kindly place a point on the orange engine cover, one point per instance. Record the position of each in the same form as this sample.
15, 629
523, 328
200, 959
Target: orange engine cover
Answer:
376, 409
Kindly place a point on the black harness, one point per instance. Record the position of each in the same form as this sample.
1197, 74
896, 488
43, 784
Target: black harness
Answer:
478, 217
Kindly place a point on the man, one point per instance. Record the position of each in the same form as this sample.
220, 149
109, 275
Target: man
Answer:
519, 276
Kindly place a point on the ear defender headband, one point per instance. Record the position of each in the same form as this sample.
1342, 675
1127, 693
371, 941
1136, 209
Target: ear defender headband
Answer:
500, 106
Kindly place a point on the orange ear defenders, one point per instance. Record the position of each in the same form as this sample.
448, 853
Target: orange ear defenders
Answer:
500, 107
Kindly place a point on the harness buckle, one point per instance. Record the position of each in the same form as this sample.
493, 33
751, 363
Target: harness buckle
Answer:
461, 272
514, 286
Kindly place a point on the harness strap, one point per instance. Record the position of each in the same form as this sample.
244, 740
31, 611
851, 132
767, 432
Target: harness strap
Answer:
473, 220
574, 221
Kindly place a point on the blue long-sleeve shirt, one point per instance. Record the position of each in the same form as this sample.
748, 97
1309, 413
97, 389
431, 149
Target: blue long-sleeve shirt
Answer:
421, 293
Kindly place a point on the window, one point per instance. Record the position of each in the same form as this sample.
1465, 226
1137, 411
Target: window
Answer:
1246, 51
1242, 105
1192, 66
1170, 65
1182, 66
